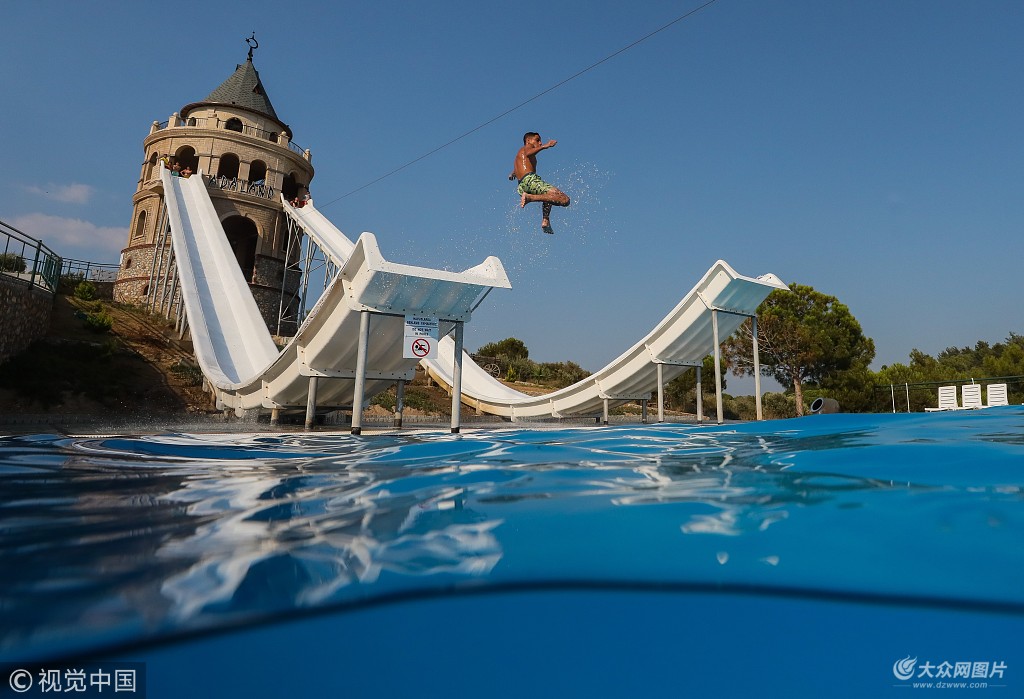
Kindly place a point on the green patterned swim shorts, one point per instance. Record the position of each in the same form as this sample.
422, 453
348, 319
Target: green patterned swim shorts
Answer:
533, 184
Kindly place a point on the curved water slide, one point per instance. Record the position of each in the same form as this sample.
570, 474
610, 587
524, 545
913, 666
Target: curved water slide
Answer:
711, 312
354, 332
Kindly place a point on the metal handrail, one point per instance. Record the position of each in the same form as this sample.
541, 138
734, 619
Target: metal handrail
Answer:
28, 259
91, 271
904, 389
254, 131
235, 184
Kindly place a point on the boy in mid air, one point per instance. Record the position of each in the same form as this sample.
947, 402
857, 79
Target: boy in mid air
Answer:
531, 186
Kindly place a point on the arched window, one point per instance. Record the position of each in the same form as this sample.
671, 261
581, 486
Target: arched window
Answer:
140, 226
186, 155
234, 124
150, 166
290, 188
242, 235
257, 171
228, 166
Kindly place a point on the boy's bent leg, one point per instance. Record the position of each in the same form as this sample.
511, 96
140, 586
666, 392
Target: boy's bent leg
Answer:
558, 197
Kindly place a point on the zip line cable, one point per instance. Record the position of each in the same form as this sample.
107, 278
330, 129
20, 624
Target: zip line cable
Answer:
524, 102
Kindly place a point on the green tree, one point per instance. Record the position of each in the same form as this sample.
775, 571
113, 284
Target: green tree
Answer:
509, 348
804, 336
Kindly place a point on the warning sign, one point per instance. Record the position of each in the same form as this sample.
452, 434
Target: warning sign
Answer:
420, 348
421, 326
421, 335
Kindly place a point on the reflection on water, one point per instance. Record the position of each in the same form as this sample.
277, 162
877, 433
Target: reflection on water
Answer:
108, 539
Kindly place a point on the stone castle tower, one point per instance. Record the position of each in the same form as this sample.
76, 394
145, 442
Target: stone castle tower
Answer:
248, 160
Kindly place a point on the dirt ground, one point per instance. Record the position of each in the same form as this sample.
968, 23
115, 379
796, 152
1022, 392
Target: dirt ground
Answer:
141, 351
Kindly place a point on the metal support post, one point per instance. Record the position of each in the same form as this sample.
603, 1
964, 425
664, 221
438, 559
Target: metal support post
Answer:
718, 364
757, 371
275, 416
311, 403
360, 388
661, 392
457, 379
700, 397
399, 402
643, 410
604, 412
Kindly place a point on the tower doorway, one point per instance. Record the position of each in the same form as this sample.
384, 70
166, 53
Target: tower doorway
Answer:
242, 236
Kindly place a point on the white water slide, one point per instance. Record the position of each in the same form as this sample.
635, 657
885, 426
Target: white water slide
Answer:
711, 312
355, 331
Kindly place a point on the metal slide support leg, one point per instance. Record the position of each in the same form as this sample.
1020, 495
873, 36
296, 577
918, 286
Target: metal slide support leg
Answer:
275, 416
661, 393
700, 397
718, 365
360, 389
757, 371
643, 410
457, 379
311, 403
399, 402
604, 413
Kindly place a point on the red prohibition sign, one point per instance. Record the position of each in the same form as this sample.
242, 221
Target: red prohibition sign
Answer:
421, 347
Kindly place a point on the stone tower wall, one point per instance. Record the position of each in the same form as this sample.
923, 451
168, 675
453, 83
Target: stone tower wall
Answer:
208, 133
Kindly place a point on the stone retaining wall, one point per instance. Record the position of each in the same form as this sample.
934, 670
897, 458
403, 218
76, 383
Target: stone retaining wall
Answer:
25, 313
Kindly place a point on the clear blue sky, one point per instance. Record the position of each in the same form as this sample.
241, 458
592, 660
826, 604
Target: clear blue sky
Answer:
870, 149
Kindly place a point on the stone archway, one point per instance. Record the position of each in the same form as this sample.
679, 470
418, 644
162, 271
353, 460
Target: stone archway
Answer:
242, 235
228, 166
186, 155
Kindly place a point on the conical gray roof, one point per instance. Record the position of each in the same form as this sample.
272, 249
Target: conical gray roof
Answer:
244, 89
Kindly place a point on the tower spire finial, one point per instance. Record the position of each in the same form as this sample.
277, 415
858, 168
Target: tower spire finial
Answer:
253, 44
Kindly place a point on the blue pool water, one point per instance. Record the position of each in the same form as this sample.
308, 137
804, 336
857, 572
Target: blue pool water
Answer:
802, 557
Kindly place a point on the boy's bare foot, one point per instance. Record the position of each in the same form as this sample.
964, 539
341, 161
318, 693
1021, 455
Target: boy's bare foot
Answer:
522, 201
545, 226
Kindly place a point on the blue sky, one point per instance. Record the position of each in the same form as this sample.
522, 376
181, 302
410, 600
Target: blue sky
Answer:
870, 149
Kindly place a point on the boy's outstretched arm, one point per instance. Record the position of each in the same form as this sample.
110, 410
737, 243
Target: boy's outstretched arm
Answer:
531, 150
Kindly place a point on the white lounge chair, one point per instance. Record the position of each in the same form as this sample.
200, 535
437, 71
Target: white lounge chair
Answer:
947, 399
997, 394
971, 394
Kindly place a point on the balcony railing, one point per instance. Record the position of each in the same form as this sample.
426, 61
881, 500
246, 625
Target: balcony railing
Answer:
258, 188
207, 123
27, 259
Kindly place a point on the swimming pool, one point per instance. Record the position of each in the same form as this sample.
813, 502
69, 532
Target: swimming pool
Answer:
803, 557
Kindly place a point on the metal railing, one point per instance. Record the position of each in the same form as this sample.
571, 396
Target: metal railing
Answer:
89, 271
234, 184
255, 132
28, 260
915, 396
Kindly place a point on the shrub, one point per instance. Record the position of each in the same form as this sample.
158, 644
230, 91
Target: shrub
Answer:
190, 373
12, 262
99, 321
386, 400
86, 291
